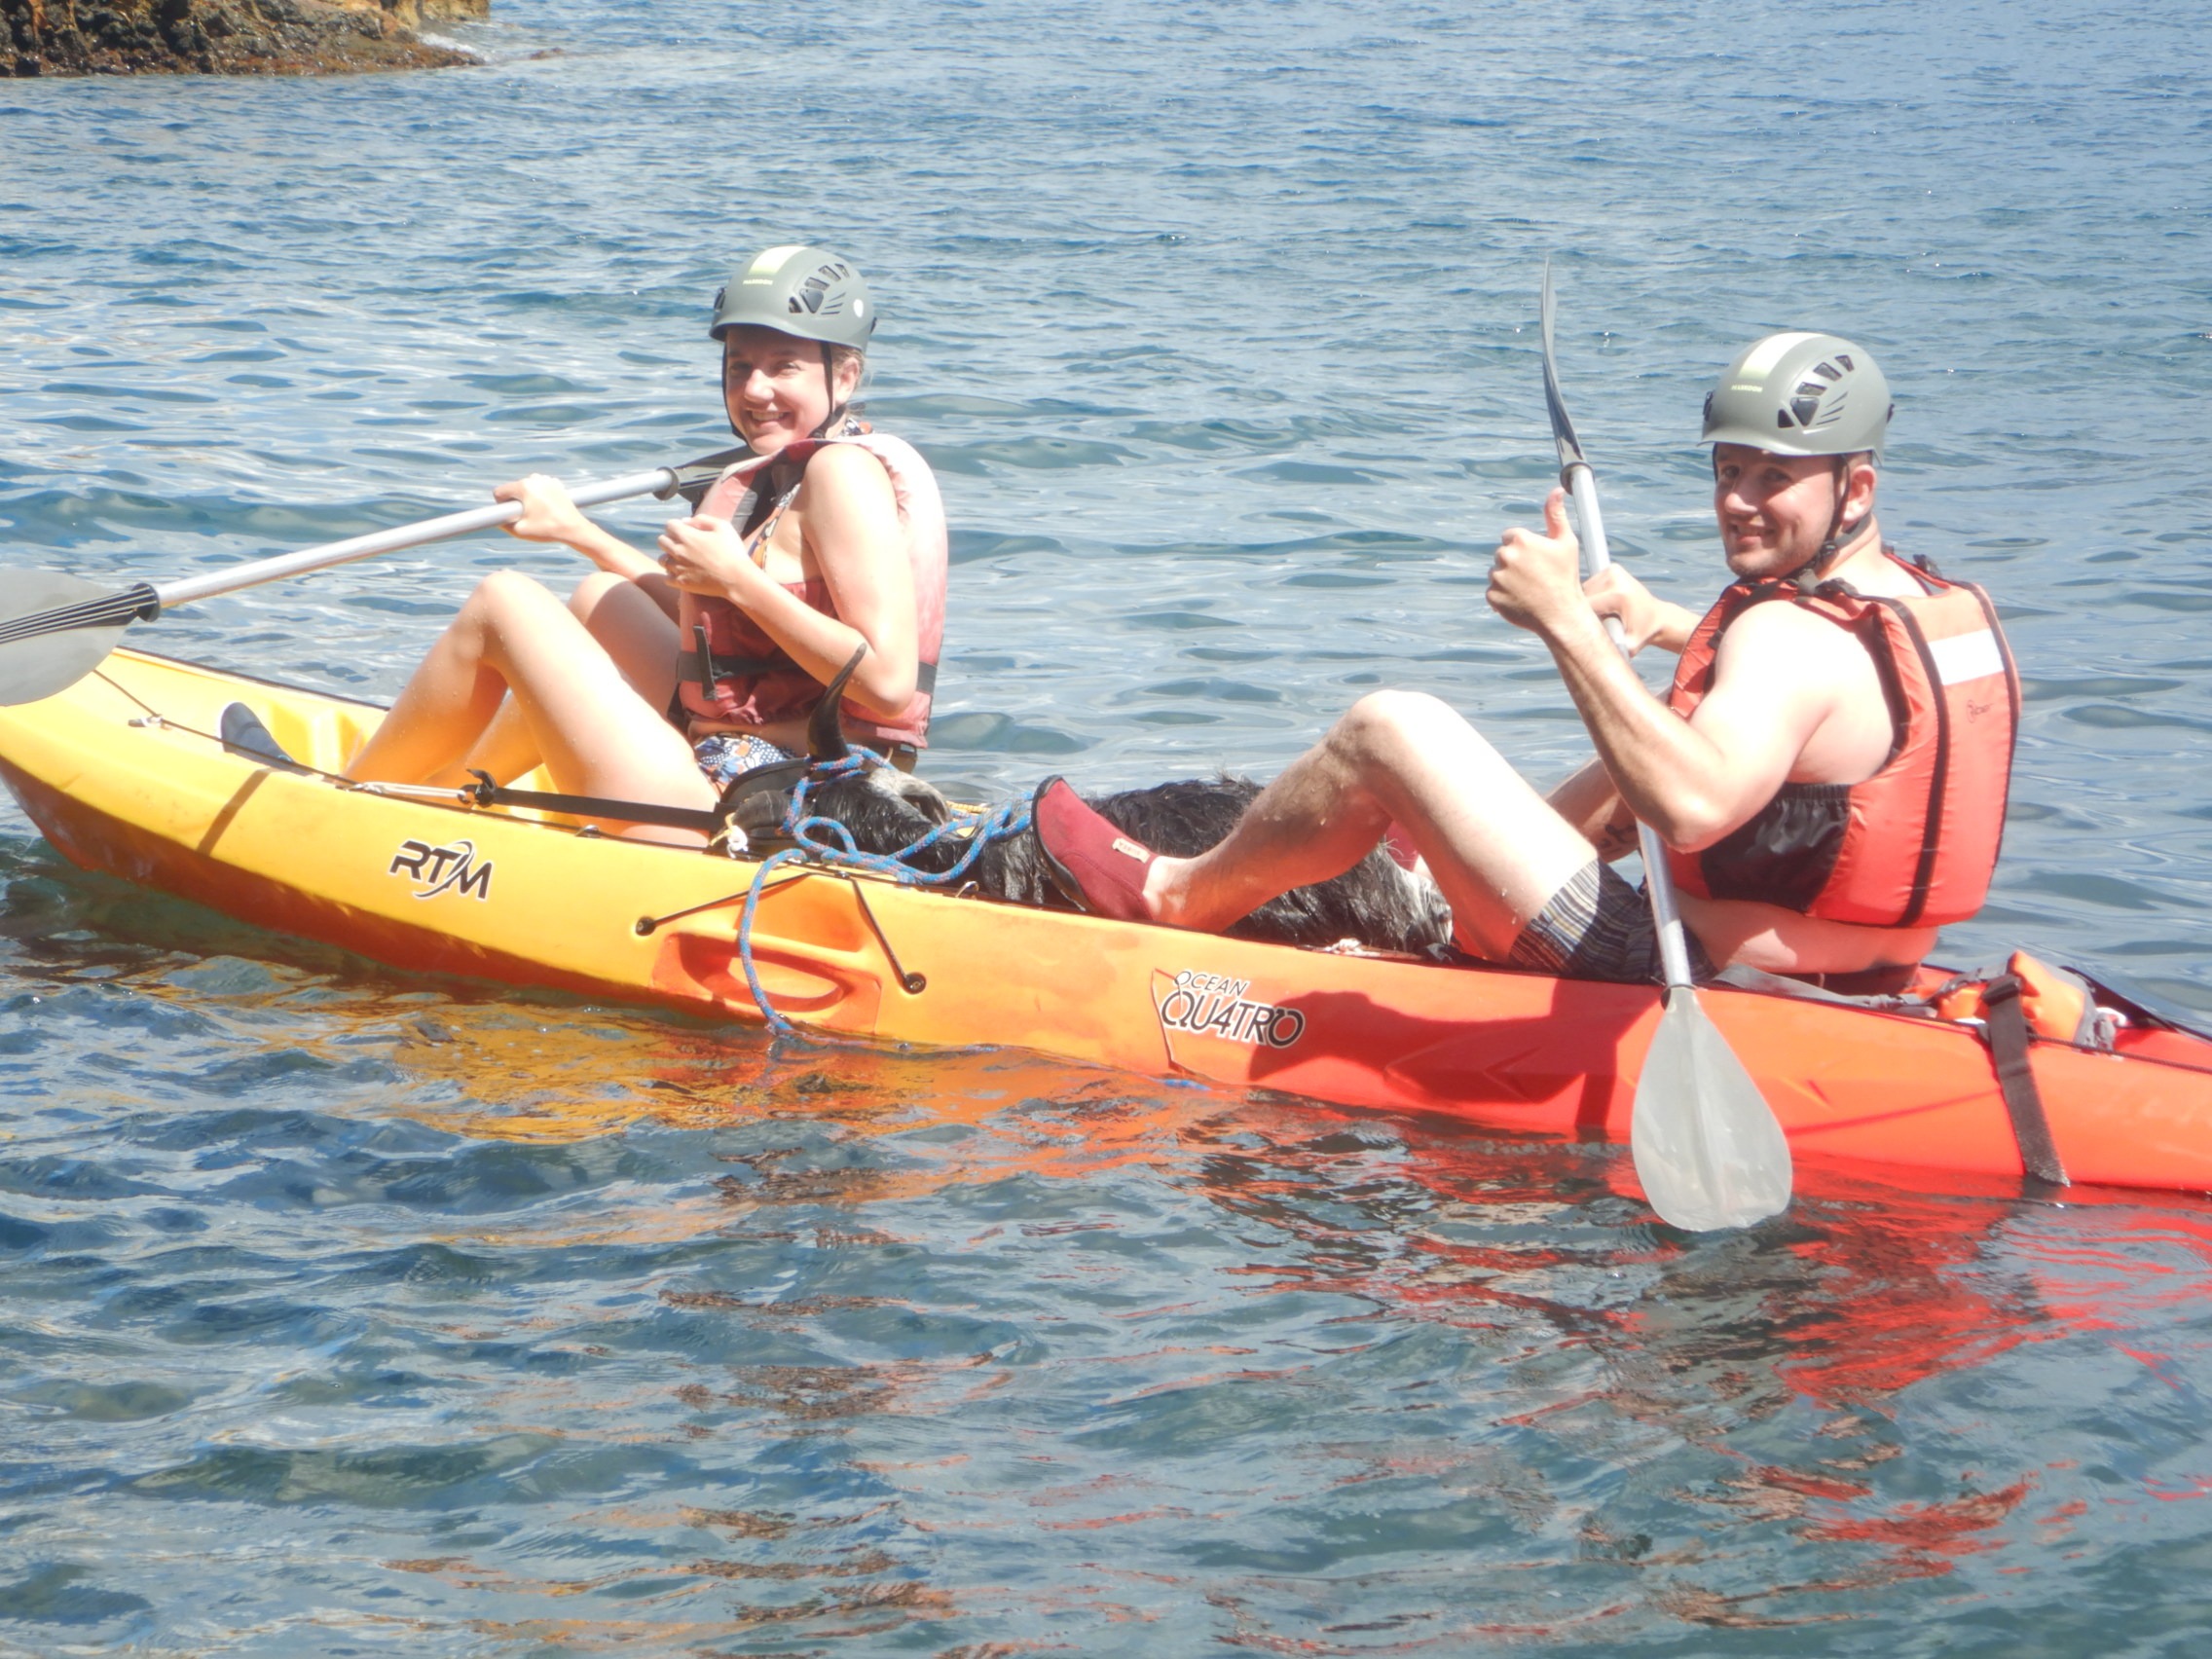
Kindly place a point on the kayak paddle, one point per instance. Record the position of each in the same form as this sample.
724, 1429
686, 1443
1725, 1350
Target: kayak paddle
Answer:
1707, 1146
54, 629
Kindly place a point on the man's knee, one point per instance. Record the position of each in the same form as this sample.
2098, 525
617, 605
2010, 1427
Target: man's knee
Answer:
1383, 723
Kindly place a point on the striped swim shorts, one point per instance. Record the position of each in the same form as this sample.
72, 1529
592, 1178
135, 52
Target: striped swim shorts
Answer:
1597, 927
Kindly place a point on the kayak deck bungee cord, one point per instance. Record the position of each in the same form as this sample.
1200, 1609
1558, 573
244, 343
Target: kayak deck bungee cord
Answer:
123, 773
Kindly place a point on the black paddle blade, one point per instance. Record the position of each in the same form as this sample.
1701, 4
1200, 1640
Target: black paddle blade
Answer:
55, 629
1563, 427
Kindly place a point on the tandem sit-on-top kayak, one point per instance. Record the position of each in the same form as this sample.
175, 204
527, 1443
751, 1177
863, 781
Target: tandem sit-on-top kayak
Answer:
123, 773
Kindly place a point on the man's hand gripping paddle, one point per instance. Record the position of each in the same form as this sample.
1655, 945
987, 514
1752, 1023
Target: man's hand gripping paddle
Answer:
54, 629
1707, 1146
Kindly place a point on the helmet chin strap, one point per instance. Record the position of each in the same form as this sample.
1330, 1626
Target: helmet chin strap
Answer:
837, 416
1814, 570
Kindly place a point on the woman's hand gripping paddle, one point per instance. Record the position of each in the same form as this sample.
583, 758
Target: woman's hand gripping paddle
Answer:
1707, 1146
54, 629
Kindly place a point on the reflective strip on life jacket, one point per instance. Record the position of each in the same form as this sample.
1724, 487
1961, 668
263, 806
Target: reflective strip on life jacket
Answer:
728, 668
1916, 845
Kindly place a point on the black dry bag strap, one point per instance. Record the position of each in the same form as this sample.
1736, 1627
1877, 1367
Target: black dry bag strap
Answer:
486, 792
2007, 1024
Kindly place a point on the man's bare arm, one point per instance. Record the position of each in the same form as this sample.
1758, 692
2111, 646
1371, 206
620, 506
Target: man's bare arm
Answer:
1589, 802
1774, 681
1696, 780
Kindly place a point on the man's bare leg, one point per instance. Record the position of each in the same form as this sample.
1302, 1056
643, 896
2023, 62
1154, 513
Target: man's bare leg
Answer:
1493, 844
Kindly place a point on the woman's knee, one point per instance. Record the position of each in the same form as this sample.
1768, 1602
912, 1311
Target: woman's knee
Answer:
587, 594
506, 594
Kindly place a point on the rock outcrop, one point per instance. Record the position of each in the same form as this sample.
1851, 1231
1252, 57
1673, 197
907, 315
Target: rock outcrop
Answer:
223, 37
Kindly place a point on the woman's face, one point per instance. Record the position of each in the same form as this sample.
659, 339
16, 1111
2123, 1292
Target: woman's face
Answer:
773, 387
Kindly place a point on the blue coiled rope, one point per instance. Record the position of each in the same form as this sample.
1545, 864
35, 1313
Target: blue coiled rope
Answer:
982, 826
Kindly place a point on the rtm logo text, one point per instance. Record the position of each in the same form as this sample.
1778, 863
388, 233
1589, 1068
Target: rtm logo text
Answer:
443, 869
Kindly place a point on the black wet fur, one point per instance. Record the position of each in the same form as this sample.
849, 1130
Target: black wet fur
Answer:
1375, 902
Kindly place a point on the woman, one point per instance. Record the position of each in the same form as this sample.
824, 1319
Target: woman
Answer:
662, 679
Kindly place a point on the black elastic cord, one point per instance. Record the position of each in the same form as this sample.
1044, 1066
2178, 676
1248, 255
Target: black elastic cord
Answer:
216, 738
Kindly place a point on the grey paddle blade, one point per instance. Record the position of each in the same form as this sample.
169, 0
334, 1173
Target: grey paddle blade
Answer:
1707, 1147
1562, 427
55, 630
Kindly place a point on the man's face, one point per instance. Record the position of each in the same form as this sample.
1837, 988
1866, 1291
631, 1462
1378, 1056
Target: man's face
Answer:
1775, 510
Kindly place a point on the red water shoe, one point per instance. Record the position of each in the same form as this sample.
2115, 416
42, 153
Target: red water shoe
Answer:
1097, 868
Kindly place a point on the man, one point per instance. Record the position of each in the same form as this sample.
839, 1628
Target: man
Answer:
1828, 770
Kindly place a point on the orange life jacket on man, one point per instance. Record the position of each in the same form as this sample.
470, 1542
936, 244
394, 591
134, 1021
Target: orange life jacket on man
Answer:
1915, 844
730, 669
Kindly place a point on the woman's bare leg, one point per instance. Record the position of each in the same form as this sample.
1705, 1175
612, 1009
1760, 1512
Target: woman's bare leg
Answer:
631, 628
597, 734
1494, 845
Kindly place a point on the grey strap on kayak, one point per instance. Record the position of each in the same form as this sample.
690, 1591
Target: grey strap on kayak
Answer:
2007, 1021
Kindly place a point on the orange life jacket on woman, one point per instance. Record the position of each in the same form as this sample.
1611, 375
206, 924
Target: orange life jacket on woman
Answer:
1915, 844
730, 669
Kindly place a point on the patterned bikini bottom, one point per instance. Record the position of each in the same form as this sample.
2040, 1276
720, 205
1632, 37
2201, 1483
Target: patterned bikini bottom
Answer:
727, 756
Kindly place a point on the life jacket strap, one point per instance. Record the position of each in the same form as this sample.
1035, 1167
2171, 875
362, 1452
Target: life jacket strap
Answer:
701, 667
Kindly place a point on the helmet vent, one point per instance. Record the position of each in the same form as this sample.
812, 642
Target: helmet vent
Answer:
1782, 418
1845, 360
1827, 371
1804, 408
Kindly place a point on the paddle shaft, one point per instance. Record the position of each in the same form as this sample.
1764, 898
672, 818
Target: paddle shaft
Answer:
1665, 916
660, 481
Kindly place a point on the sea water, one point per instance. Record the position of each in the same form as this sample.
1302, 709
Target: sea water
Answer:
349, 1312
